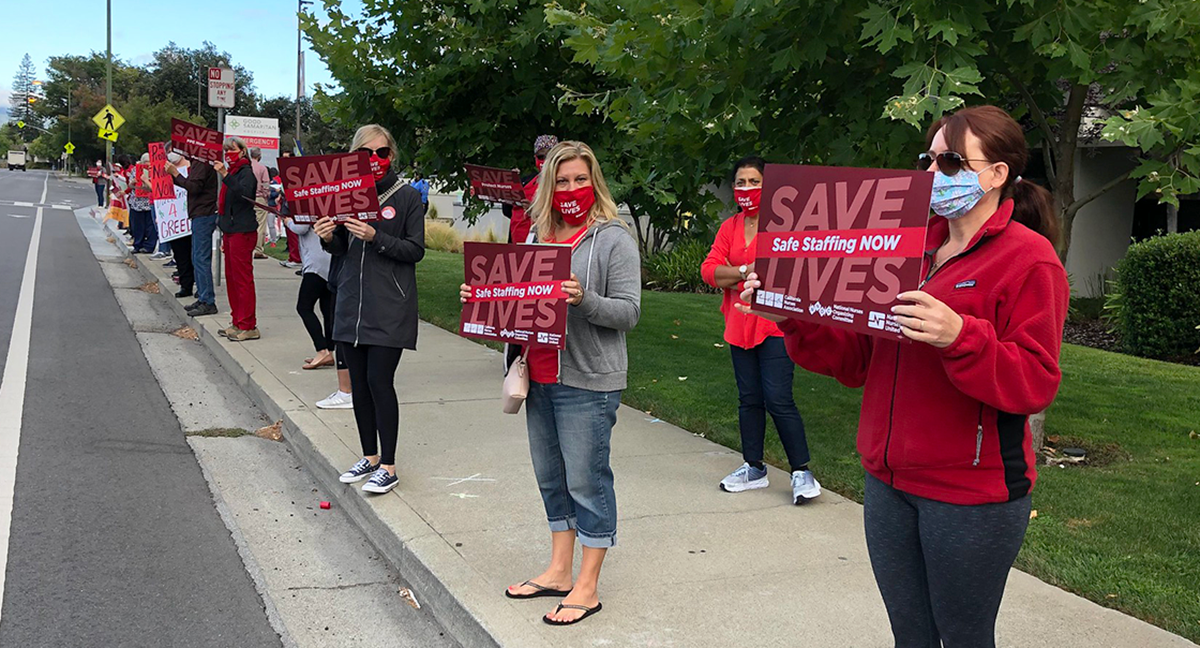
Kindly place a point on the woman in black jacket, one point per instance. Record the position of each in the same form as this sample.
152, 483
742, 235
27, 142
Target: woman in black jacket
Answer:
239, 228
375, 314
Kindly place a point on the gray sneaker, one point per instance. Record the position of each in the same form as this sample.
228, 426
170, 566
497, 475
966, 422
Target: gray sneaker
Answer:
804, 487
745, 478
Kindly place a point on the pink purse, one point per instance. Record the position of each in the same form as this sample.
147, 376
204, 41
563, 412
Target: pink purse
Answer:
516, 385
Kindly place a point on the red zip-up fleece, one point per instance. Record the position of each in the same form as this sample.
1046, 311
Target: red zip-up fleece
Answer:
952, 424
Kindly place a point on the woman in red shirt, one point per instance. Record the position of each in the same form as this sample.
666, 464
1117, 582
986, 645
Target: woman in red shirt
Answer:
760, 362
943, 432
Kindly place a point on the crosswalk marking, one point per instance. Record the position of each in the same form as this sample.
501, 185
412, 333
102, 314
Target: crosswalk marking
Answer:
18, 203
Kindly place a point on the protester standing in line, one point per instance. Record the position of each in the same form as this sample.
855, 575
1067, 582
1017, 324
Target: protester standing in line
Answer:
342, 397
200, 182
519, 223
375, 317
944, 433
239, 229
275, 199
314, 293
181, 248
100, 182
574, 394
422, 186
761, 366
141, 224
262, 187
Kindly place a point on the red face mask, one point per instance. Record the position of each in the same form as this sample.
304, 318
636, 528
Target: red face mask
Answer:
748, 198
379, 167
574, 206
538, 162
231, 157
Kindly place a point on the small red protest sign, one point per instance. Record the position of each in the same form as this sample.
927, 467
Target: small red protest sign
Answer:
516, 293
338, 186
837, 245
94, 172
162, 187
196, 141
139, 178
498, 185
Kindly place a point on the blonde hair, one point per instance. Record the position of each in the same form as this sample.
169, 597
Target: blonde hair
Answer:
545, 219
369, 132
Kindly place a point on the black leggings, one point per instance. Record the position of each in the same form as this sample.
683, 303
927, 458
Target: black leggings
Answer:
376, 409
181, 250
314, 290
941, 567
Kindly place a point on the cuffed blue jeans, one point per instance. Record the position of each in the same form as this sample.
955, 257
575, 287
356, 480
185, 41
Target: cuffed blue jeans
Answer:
764, 379
570, 434
202, 246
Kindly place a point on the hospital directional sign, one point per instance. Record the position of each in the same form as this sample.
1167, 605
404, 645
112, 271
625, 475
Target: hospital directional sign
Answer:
108, 119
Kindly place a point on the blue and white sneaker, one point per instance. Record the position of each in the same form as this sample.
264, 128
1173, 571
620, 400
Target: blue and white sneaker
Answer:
381, 482
358, 471
745, 478
804, 487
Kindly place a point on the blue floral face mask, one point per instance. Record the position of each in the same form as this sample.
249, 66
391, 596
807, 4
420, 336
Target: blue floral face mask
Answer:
954, 196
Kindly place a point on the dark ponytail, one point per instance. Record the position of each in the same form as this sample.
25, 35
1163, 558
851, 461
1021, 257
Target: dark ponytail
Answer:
1002, 140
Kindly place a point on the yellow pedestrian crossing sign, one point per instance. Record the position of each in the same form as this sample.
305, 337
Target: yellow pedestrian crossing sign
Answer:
108, 119
20, 124
110, 135
69, 148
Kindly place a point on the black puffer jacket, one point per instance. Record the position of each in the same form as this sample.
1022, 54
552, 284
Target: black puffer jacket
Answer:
238, 215
376, 282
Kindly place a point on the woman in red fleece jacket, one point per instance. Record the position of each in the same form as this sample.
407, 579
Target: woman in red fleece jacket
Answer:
943, 432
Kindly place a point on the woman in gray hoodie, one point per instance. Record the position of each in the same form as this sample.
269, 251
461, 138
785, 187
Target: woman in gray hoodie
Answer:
574, 394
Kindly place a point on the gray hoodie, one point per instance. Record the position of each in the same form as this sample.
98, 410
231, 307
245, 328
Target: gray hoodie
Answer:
609, 267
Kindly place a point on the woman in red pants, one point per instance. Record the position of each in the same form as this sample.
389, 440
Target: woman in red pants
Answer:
239, 230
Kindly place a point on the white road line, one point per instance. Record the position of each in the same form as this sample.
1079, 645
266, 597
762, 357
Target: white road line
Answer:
24, 204
12, 389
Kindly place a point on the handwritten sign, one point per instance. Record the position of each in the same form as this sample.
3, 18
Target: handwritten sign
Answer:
162, 187
196, 141
139, 176
836, 245
338, 186
498, 185
171, 214
516, 293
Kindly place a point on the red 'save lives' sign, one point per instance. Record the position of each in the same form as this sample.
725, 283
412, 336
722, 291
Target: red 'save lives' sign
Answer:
516, 293
338, 186
162, 187
837, 245
94, 172
498, 185
196, 141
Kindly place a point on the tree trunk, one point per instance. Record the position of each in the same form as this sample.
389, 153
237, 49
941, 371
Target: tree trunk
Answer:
1172, 219
1037, 428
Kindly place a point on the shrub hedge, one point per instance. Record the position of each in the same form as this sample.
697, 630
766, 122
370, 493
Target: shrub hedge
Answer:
1155, 306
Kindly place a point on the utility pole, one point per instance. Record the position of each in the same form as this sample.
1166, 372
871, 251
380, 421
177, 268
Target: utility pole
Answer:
299, 64
108, 94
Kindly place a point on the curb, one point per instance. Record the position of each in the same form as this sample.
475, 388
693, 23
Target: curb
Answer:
445, 606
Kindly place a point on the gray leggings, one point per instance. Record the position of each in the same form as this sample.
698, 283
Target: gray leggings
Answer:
940, 567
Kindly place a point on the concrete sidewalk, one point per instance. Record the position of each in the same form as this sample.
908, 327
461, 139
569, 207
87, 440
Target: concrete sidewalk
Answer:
694, 566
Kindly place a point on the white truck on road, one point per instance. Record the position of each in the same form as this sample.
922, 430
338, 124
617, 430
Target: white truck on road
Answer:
16, 160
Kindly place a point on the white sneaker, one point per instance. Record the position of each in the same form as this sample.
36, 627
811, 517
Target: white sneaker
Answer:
804, 487
337, 400
158, 256
745, 478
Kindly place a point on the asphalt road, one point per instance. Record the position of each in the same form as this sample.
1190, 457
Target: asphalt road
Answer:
114, 540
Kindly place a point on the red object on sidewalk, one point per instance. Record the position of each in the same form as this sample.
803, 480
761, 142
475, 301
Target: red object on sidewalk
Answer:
293, 243
325, 505
238, 248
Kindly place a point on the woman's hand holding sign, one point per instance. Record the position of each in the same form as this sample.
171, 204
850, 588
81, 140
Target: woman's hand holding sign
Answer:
574, 290
748, 287
361, 230
927, 319
324, 228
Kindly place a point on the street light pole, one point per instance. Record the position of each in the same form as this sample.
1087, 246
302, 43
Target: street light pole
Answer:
299, 64
108, 92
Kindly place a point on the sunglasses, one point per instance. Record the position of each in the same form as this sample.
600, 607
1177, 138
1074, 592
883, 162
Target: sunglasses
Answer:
383, 153
948, 163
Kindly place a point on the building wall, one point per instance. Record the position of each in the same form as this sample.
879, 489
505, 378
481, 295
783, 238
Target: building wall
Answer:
1103, 226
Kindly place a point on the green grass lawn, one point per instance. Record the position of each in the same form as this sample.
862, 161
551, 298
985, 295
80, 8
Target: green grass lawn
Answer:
279, 252
1126, 534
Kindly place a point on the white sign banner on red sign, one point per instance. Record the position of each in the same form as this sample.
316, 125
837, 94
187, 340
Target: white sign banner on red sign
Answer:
171, 215
220, 87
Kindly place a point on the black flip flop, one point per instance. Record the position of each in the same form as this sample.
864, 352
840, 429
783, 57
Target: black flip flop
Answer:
587, 612
541, 591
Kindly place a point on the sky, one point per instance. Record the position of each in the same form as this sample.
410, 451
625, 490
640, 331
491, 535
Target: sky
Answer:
258, 34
